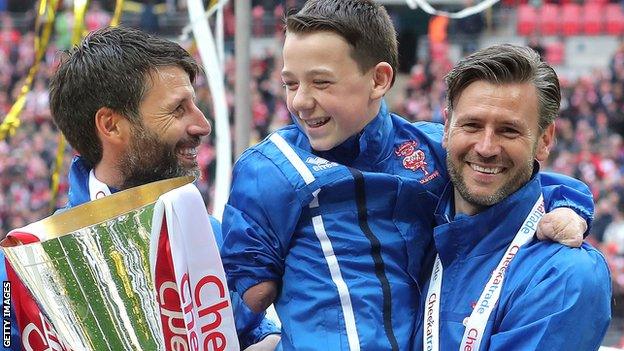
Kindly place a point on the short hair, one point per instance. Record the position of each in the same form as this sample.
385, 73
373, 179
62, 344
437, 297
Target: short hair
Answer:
109, 68
505, 64
364, 24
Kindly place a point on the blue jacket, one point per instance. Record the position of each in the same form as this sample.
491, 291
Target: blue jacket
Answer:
251, 327
333, 228
553, 297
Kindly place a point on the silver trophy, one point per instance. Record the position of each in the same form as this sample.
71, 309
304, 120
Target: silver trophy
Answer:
90, 272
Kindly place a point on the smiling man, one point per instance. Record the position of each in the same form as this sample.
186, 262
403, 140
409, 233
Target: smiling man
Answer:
143, 123
493, 286
125, 102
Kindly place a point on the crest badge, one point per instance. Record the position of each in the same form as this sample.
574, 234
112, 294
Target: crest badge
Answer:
415, 160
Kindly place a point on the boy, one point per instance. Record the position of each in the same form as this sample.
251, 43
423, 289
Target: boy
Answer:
331, 217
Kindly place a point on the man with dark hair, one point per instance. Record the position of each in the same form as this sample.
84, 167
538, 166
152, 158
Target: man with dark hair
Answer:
501, 105
330, 217
118, 83
125, 101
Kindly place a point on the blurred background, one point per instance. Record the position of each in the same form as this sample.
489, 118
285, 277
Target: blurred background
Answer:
583, 40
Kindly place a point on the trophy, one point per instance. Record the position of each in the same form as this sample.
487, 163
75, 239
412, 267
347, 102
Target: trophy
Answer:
136, 270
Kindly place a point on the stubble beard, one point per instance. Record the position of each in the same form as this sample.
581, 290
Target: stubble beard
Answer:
148, 159
513, 183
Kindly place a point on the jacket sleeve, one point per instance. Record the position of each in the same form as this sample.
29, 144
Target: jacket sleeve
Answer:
562, 191
565, 306
251, 327
258, 222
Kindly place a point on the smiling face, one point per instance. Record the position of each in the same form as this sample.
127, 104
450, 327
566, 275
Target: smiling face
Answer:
492, 139
325, 89
165, 144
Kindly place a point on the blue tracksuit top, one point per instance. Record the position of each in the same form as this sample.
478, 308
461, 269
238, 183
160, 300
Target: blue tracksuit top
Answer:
251, 327
336, 230
553, 297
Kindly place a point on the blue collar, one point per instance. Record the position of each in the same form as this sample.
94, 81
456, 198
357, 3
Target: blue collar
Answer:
368, 147
484, 232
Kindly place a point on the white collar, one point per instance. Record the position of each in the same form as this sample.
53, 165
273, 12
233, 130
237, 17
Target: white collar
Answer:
97, 189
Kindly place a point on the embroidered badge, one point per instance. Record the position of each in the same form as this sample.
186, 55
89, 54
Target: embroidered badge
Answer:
320, 164
415, 159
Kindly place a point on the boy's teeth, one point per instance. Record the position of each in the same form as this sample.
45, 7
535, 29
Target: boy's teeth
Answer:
317, 122
494, 170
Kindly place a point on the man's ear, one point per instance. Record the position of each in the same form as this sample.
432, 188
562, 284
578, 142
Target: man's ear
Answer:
382, 80
447, 125
545, 142
111, 127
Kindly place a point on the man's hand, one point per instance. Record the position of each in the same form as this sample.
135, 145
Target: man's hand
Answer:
267, 344
562, 225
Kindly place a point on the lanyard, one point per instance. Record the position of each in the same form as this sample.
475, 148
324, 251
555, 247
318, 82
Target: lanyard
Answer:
475, 325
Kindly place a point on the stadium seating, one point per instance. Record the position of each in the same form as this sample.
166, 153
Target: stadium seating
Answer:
549, 19
555, 53
571, 18
527, 19
614, 19
593, 18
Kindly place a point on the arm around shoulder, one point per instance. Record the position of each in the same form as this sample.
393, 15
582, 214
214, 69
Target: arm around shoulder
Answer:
570, 206
563, 191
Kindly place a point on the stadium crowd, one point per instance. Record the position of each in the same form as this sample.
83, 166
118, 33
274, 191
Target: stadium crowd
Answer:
589, 145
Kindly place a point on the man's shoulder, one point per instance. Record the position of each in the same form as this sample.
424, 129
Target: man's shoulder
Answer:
583, 267
553, 290
565, 256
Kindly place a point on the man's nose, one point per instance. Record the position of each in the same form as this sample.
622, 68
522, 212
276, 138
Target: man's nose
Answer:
199, 125
488, 144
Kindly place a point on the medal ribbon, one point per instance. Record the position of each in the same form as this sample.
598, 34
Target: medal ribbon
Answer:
476, 323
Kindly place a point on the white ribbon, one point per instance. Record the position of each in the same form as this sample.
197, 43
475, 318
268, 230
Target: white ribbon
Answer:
476, 323
431, 329
425, 6
199, 274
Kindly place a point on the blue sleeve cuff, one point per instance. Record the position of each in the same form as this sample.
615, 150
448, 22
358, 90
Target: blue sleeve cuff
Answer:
251, 327
266, 328
564, 191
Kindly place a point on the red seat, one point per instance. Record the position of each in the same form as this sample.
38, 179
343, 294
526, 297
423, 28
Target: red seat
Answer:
549, 19
593, 18
614, 20
555, 53
526, 24
571, 17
